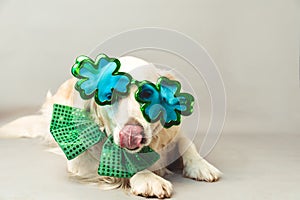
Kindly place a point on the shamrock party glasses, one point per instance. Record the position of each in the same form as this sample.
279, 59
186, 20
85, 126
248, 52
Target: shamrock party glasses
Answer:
102, 80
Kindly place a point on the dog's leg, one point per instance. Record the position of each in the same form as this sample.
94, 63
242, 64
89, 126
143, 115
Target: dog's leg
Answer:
196, 167
148, 184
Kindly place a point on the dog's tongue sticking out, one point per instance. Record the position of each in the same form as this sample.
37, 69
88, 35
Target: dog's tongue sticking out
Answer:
131, 136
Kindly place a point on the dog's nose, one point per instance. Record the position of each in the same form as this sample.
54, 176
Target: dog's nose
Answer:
131, 136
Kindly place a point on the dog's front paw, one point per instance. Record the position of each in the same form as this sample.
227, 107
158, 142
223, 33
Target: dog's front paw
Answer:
148, 184
201, 170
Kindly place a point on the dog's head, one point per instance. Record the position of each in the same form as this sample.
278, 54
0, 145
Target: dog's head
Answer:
124, 118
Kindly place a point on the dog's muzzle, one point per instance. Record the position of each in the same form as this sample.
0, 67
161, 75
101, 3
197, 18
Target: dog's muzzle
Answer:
131, 136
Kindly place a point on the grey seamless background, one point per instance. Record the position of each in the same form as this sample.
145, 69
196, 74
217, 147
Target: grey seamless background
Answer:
254, 43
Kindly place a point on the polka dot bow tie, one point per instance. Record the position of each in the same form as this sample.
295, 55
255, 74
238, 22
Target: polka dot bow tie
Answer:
75, 131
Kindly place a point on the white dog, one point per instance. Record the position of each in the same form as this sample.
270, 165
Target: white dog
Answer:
114, 119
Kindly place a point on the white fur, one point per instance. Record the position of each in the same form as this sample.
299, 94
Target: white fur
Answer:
164, 141
146, 183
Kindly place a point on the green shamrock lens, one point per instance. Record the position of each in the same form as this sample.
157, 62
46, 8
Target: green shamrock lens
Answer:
164, 101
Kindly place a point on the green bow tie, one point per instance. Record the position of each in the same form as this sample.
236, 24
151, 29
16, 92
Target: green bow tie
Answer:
75, 131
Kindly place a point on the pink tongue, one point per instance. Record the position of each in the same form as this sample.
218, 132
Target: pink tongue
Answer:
131, 136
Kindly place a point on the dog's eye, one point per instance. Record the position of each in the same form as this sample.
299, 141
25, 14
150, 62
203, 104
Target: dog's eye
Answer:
146, 94
108, 95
